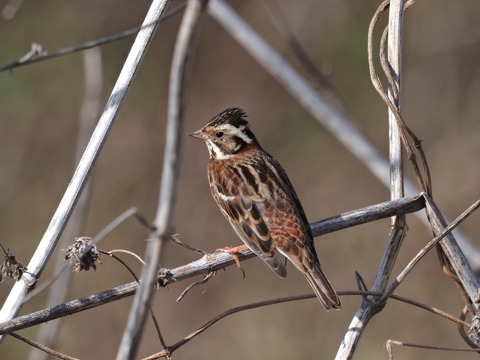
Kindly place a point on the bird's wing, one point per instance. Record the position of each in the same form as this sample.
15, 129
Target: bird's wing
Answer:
245, 216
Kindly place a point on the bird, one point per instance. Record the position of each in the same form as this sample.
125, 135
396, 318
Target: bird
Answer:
256, 196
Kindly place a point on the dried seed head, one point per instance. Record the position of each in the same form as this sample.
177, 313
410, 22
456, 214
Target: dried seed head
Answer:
10, 267
83, 253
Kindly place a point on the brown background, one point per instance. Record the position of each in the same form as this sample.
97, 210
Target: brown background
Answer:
39, 110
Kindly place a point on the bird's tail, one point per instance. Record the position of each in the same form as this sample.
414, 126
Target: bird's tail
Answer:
322, 288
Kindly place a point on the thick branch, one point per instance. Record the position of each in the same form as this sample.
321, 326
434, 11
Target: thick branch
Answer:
211, 262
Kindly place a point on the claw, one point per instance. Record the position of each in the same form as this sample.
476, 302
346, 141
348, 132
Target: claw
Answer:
234, 250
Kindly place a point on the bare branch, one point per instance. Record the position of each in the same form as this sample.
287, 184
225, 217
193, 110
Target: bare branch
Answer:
213, 262
89, 112
196, 283
445, 232
460, 266
43, 55
367, 214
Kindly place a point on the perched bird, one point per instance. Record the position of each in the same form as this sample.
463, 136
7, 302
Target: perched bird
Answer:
254, 193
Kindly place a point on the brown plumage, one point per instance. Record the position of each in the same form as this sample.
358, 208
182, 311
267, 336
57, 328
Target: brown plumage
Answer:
254, 193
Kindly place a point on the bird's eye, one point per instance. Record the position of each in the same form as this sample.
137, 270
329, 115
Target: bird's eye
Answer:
219, 134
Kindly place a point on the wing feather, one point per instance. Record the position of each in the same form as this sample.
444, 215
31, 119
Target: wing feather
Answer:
243, 211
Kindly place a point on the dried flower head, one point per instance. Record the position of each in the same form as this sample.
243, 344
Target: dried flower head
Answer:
10, 267
83, 253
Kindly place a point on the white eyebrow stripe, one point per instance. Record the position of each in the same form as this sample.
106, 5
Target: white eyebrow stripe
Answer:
232, 130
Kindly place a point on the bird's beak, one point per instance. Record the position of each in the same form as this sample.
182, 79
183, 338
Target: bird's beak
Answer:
199, 134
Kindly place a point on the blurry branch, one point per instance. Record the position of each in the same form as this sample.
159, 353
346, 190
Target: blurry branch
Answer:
43, 55
90, 108
212, 262
169, 183
47, 244
321, 108
125, 265
11, 8
319, 79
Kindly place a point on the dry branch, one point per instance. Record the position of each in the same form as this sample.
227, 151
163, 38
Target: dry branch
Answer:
91, 107
43, 55
211, 262
440, 234
460, 266
46, 315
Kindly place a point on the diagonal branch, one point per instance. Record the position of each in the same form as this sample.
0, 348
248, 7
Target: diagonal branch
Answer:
27, 60
47, 244
211, 262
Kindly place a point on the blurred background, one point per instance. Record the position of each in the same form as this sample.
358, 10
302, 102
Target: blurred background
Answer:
39, 122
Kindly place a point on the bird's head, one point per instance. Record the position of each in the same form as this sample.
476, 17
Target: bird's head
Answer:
226, 134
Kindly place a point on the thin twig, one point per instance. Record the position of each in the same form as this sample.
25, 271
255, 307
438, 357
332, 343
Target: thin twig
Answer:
91, 44
122, 291
281, 300
176, 240
129, 269
110, 252
43, 348
191, 286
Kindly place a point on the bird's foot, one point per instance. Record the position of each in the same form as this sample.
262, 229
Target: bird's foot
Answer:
234, 250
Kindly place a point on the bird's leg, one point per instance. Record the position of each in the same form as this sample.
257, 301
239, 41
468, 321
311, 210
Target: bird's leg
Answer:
234, 250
